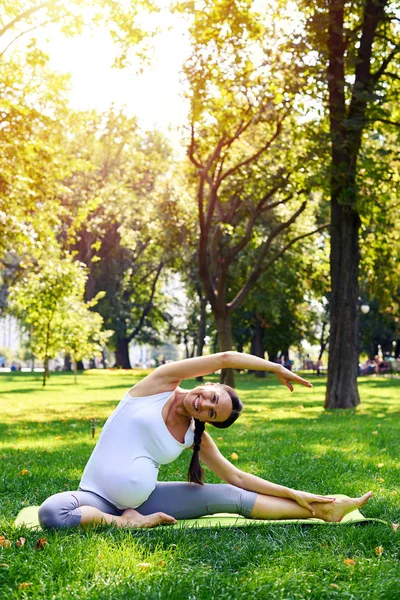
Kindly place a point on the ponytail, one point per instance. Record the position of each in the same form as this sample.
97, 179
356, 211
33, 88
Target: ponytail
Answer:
195, 472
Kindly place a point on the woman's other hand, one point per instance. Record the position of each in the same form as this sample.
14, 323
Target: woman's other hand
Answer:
305, 499
286, 377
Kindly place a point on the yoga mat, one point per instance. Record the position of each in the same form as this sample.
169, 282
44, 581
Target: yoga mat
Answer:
28, 517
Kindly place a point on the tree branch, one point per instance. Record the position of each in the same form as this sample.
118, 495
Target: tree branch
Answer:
381, 71
253, 157
148, 306
300, 237
191, 149
24, 33
387, 121
258, 267
22, 16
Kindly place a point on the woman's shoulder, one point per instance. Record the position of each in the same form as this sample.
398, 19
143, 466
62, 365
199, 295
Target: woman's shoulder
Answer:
154, 383
146, 390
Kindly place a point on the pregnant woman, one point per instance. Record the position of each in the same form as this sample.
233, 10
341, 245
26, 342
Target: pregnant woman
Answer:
151, 426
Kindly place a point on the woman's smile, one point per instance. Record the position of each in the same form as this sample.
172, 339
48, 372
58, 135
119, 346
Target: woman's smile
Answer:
196, 404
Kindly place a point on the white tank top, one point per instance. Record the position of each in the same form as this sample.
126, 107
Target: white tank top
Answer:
134, 442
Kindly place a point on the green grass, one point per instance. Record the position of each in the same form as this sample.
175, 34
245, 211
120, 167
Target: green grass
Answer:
284, 437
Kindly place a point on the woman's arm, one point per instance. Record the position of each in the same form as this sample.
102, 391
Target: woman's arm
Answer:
214, 460
173, 373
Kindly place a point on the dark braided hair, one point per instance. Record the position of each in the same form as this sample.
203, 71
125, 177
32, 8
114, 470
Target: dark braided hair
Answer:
195, 472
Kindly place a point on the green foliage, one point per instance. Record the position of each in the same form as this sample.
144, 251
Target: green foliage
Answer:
32, 159
48, 301
123, 219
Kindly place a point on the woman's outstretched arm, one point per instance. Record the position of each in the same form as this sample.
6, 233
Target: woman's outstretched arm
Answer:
174, 372
214, 460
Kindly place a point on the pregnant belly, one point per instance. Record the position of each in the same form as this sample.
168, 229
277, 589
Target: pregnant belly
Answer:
129, 487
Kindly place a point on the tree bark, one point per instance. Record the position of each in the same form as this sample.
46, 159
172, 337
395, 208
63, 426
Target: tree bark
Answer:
46, 373
202, 330
224, 333
202, 326
347, 123
257, 346
342, 389
67, 362
122, 353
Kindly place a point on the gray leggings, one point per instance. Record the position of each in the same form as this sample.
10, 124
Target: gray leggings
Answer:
180, 500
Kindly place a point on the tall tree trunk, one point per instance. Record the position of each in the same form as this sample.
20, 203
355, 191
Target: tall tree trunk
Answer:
122, 353
342, 389
46, 373
224, 333
257, 346
202, 330
323, 341
202, 326
67, 362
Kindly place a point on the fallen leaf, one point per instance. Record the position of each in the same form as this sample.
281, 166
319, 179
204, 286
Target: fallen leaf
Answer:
24, 472
20, 542
143, 565
374, 433
234, 456
380, 465
40, 544
379, 550
23, 586
300, 406
58, 437
4, 542
220, 439
334, 585
380, 479
161, 563
4, 566
349, 561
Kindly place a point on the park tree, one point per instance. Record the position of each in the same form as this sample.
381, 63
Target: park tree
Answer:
82, 329
254, 163
356, 50
290, 312
48, 301
33, 108
123, 220
32, 159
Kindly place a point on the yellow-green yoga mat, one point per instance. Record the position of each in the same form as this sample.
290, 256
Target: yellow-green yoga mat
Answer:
28, 517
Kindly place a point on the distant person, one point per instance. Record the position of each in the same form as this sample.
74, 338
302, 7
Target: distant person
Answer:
154, 422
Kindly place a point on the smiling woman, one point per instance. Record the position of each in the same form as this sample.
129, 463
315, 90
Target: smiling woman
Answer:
152, 425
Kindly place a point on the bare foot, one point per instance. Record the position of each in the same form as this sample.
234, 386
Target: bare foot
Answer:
131, 518
335, 511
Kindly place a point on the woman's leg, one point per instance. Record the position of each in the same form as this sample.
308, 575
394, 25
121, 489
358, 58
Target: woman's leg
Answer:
273, 507
70, 509
189, 501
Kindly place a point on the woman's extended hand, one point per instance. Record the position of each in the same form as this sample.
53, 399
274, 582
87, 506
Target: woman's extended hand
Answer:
305, 499
287, 378
134, 519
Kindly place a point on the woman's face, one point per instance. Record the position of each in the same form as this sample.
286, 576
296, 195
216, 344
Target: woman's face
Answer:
210, 403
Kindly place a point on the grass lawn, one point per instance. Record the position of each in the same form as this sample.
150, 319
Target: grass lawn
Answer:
45, 442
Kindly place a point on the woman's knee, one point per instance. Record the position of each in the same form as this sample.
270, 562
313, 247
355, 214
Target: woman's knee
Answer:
58, 511
49, 514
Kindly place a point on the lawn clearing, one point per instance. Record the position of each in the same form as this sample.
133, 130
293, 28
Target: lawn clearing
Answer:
45, 441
